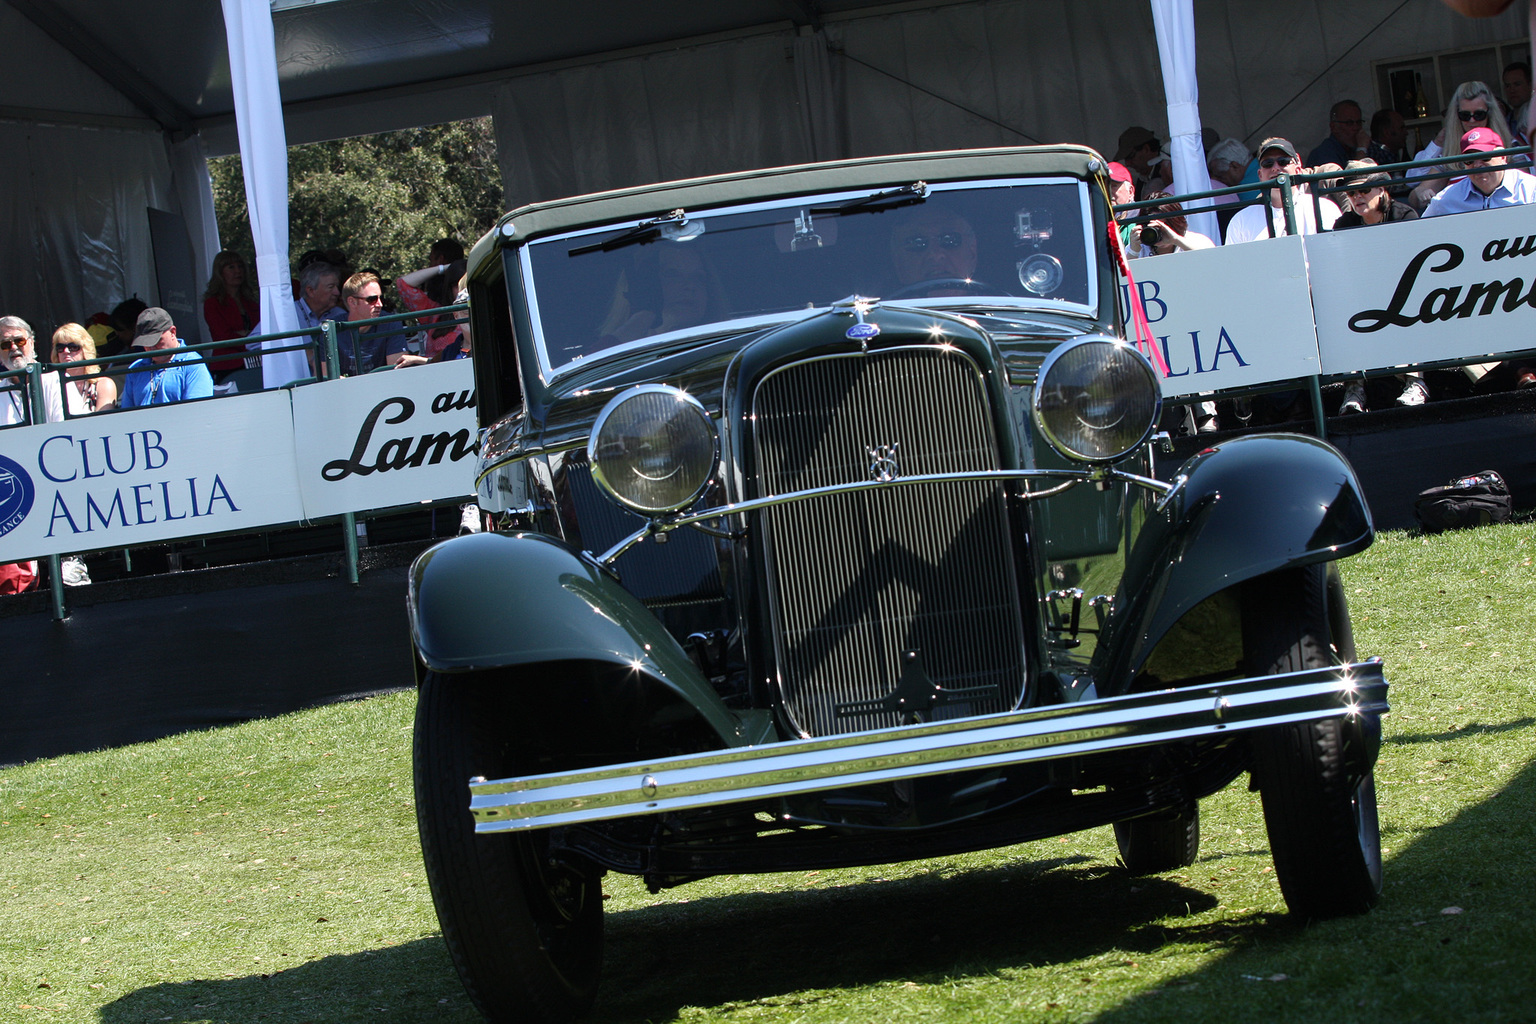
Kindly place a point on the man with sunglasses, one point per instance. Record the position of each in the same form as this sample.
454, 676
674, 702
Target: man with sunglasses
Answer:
17, 352
1266, 220
932, 244
363, 349
1489, 182
1347, 140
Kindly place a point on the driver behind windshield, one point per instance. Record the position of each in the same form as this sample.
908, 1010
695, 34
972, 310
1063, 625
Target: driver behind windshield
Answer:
935, 247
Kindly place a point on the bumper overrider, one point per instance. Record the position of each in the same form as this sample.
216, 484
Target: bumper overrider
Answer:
749, 774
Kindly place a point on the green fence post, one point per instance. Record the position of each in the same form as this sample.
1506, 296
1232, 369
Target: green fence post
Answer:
348, 519
39, 414
1315, 385
1288, 202
328, 338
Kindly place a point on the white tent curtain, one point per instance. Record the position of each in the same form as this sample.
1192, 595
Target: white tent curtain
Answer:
264, 157
1175, 23
190, 170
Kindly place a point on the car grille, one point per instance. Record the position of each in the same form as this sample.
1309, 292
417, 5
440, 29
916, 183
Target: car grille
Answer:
894, 604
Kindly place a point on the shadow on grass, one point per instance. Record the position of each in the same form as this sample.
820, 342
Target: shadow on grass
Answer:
1452, 939
738, 947
1405, 961
755, 945
1470, 729
398, 984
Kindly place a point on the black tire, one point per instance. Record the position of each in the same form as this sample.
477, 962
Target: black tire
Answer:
1159, 842
525, 932
1315, 778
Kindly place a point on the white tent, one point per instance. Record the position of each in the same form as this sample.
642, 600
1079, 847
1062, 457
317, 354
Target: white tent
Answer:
108, 116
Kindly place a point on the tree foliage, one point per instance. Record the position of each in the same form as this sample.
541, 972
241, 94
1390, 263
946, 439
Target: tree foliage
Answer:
381, 199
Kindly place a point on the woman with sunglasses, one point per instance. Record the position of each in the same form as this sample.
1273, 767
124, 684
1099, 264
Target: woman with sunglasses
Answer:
1472, 105
82, 395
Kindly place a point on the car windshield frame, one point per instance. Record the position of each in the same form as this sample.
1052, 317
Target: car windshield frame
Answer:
548, 272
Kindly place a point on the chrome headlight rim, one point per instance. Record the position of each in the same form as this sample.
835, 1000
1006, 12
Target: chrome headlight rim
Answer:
1132, 359
612, 486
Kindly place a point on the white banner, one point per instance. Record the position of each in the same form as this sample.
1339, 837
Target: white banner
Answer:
1440, 288
386, 439
148, 475
1230, 317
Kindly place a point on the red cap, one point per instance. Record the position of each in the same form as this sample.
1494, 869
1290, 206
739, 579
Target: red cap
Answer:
1119, 172
1481, 140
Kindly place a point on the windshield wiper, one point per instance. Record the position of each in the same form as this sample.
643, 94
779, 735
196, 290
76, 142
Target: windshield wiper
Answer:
879, 202
674, 225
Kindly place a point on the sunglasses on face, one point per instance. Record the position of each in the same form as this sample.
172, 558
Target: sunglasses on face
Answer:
920, 243
371, 300
69, 346
15, 341
1271, 162
1359, 193
1472, 115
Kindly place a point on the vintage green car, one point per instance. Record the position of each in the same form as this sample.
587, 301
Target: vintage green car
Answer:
829, 533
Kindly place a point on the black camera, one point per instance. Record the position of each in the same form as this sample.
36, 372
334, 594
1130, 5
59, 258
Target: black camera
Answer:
1150, 235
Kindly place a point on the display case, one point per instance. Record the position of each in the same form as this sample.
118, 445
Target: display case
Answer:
1419, 86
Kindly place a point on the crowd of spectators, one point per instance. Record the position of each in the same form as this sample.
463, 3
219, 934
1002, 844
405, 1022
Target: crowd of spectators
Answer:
75, 383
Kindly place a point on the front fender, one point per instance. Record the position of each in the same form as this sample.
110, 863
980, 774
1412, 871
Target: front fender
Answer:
1238, 510
495, 600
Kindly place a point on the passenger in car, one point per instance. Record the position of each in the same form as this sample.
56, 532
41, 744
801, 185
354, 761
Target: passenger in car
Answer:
673, 286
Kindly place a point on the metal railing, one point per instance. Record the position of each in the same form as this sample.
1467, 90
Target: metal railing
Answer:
1291, 187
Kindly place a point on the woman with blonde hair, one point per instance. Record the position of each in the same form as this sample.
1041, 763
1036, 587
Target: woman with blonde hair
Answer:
82, 394
1472, 105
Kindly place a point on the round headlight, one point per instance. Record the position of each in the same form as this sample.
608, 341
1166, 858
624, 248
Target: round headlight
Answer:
653, 449
1097, 399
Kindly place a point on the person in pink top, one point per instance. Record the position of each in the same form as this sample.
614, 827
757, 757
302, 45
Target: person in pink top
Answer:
433, 287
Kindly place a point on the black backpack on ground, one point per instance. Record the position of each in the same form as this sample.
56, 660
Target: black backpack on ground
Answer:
1475, 500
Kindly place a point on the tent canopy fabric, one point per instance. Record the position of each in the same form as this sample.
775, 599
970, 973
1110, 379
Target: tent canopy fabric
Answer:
602, 93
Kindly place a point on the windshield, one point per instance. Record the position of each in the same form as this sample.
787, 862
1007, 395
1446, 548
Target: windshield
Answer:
636, 284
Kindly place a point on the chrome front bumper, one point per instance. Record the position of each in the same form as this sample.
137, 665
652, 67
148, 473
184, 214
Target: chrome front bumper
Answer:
745, 774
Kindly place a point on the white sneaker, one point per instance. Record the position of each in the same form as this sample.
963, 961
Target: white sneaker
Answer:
73, 572
1414, 393
469, 518
1354, 399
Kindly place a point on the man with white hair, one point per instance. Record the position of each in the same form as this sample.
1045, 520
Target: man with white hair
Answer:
17, 352
1227, 162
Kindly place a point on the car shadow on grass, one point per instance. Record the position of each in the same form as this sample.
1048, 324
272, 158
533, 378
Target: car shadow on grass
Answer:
742, 946
1453, 938
404, 984
751, 946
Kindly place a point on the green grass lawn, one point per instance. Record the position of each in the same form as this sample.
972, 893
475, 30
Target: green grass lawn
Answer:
270, 872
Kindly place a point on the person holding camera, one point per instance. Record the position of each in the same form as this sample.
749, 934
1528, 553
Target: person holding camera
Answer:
1168, 233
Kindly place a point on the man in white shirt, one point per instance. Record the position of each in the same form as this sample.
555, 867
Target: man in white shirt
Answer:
1276, 157
1489, 183
17, 352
